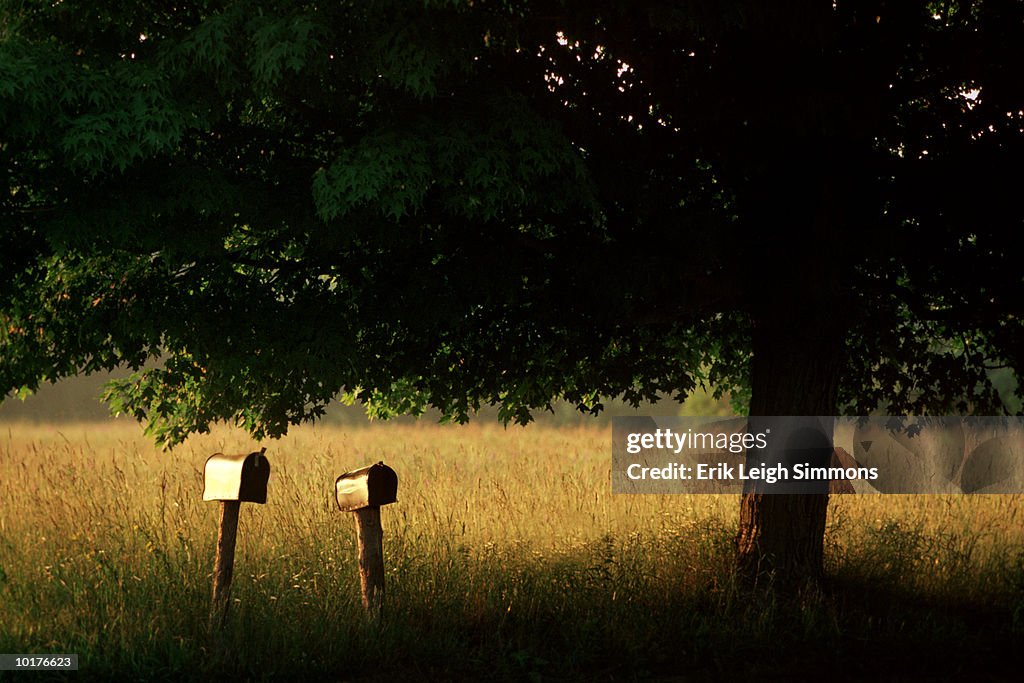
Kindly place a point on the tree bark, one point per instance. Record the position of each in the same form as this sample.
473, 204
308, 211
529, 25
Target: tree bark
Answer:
797, 360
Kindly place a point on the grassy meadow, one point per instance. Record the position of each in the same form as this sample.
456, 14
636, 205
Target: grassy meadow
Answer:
507, 558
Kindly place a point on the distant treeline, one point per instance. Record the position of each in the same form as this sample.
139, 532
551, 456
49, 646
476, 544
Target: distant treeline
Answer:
77, 399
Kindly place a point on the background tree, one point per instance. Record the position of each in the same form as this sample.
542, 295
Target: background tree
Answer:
460, 203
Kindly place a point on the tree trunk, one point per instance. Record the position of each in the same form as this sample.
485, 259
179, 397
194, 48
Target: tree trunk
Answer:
804, 192
797, 359
781, 537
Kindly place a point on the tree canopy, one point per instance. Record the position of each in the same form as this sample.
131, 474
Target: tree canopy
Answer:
455, 203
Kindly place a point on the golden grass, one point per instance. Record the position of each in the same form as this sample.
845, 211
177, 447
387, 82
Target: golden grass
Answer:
106, 547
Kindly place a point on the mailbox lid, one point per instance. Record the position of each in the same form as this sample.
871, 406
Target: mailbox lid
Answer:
371, 486
241, 477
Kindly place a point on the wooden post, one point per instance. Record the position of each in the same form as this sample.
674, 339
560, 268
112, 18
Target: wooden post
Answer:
224, 565
370, 537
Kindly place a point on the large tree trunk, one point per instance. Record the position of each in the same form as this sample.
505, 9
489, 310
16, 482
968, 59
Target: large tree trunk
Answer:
802, 188
796, 365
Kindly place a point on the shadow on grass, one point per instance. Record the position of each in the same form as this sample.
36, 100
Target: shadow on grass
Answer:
660, 606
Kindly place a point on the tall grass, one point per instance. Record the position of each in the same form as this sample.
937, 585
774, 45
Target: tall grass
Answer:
507, 557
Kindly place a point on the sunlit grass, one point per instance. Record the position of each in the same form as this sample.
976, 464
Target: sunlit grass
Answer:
506, 553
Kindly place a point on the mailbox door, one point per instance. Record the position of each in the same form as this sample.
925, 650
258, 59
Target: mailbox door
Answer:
255, 475
382, 485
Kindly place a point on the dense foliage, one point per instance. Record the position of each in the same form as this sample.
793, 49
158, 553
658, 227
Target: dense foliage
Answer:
268, 204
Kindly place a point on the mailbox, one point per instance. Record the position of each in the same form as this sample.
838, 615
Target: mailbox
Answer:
371, 486
237, 477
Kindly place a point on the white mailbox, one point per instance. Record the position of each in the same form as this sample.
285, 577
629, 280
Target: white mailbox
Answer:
237, 477
366, 487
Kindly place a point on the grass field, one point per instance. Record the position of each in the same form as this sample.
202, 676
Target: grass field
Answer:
507, 558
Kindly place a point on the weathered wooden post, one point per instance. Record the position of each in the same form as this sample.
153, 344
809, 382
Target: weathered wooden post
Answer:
233, 480
363, 491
